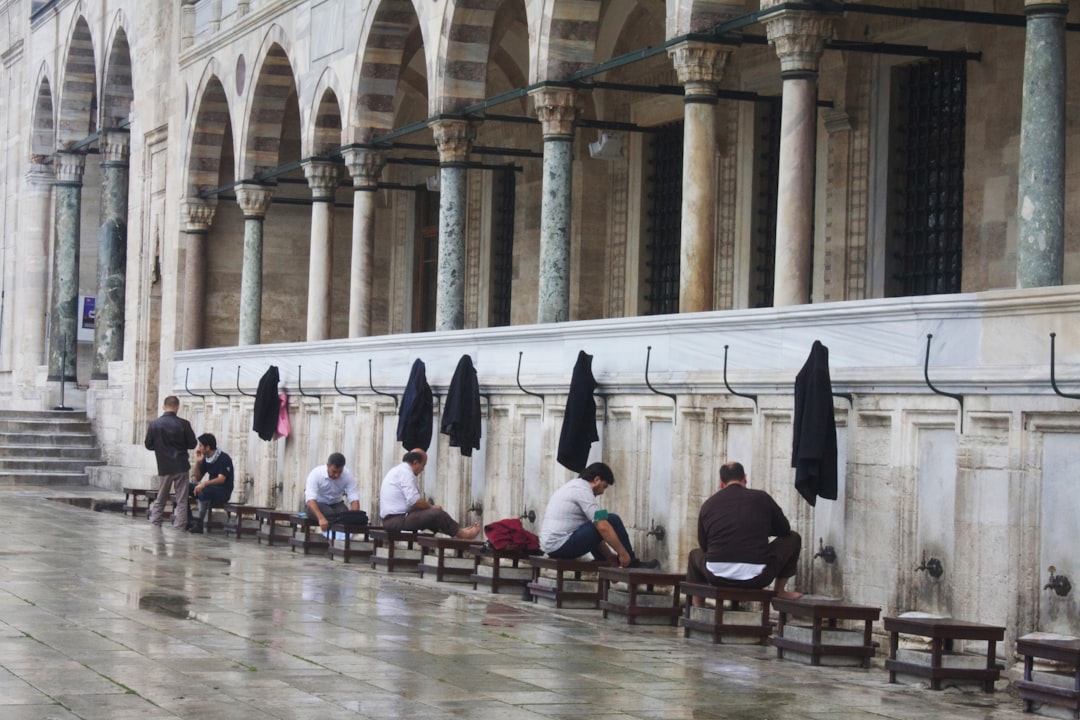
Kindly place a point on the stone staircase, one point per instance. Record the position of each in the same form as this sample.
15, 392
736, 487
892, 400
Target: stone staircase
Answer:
46, 448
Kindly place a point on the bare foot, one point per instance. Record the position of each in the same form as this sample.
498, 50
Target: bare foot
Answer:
789, 594
468, 533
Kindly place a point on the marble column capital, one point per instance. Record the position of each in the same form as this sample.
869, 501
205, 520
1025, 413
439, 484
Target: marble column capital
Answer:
699, 65
1062, 5
365, 167
69, 167
454, 140
115, 147
798, 36
556, 109
254, 200
322, 177
40, 173
197, 214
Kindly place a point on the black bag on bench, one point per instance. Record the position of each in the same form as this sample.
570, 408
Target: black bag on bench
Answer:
350, 517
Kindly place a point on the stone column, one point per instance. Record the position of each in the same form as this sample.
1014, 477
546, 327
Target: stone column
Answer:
454, 139
112, 252
1040, 244
798, 37
32, 279
322, 177
254, 201
699, 66
557, 110
198, 215
64, 318
364, 166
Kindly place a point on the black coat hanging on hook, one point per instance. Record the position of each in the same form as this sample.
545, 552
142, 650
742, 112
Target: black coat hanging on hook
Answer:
813, 436
579, 421
267, 404
415, 414
461, 412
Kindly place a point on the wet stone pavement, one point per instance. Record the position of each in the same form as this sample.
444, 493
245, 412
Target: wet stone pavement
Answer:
104, 617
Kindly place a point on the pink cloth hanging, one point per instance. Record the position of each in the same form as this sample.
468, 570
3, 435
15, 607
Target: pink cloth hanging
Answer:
283, 426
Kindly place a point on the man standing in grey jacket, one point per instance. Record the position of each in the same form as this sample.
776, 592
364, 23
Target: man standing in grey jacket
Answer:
171, 438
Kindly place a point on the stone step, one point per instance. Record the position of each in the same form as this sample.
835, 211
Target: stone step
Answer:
35, 465
77, 452
75, 439
50, 478
45, 427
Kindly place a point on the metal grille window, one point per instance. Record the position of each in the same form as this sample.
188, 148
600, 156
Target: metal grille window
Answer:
925, 251
502, 245
426, 274
766, 184
665, 220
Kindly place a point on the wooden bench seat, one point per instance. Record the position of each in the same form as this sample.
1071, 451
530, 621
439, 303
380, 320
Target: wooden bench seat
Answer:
389, 555
132, 496
715, 626
442, 549
500, 570
1058, 649
306, 534
240, 520
275, 526
824, 615
569, 584
639, 603
349, 546
942, 632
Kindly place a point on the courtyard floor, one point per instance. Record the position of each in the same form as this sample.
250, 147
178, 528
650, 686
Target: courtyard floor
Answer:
104, 617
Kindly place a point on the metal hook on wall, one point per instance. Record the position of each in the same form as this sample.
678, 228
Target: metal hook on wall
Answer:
300, 382
242, 392
371, 385
926, 376
847, 396
675, 399
224, 395
728, 385
340, 391
186, 371
527, 392
1053, 377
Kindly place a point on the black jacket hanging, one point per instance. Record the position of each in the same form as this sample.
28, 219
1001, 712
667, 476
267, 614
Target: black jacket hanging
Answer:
579, 421
267, 404
415, 414
461, 412
813, 451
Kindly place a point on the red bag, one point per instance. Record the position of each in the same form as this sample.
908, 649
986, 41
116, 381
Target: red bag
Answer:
509, 533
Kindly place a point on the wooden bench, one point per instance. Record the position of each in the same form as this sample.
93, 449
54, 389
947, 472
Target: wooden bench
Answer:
1057, 649
275, 526
306, 534
343, 547
437, 547
391, 558
499, 569
637, 604
715, 627
584, 590
942, 632
167, 510
824, 615
235, 517
131, 501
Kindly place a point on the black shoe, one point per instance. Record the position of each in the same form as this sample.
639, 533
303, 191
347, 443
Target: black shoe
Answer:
196, 527
645, 564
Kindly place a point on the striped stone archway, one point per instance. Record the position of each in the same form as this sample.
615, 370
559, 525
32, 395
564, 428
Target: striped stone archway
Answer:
78, 93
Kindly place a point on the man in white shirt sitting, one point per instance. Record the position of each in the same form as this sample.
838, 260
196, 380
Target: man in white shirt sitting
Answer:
325, 487
402, 508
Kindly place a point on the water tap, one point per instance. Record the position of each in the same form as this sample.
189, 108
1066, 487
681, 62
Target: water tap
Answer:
933, 567
825, 552
1058, 583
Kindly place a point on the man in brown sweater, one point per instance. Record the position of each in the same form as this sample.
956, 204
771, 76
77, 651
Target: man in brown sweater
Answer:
734, 527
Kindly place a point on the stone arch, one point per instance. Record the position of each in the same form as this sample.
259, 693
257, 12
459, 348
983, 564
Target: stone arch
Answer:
117, 91
567, 41
272, 89
210, 124
693, 16
43, 133
325, 134
78, 94
461, 79
393, 39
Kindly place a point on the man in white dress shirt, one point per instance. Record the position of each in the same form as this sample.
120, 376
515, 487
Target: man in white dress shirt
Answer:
402, 508
325, 487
